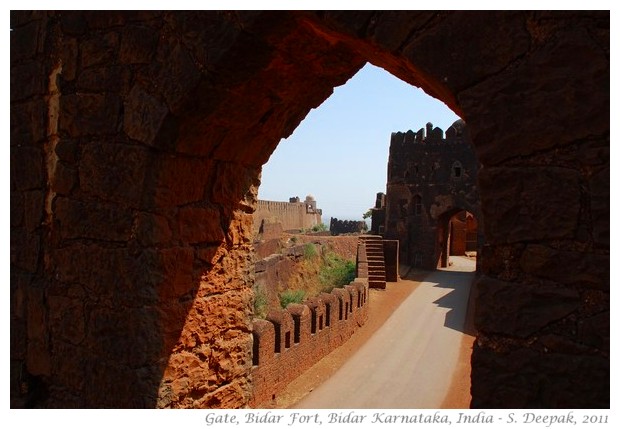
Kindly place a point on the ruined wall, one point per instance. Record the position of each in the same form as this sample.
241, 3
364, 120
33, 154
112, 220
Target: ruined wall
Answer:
430, 178
337, 226
292, 215
137, 140
292, 340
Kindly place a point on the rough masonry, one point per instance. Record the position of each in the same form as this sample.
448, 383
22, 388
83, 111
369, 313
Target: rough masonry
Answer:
431, 178
137, 140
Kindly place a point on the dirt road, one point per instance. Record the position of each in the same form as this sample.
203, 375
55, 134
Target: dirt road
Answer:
412, 359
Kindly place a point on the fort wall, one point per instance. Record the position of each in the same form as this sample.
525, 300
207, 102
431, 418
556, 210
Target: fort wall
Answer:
292, 215
292, 340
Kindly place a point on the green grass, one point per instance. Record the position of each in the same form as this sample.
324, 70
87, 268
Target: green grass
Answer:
291, 296
310, 251
336, 272
260, 304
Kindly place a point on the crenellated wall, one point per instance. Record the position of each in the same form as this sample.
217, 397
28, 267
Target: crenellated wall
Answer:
292, 340
293, 215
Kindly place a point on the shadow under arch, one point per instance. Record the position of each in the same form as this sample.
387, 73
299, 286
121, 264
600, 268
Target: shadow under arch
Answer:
196, 102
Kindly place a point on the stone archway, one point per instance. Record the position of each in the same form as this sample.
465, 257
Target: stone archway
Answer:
136, 145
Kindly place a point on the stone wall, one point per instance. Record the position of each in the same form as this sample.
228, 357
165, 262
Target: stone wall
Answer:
430, 178
292, 340
293, 216
137, 140
337, 226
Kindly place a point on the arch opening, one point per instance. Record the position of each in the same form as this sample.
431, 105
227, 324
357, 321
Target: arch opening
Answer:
135, 165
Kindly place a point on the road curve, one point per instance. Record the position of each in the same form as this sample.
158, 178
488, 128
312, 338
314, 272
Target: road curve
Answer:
408, 362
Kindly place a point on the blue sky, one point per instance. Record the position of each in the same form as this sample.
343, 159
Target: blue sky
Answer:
339, 152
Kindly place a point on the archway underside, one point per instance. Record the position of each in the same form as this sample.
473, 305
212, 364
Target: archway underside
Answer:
136, 145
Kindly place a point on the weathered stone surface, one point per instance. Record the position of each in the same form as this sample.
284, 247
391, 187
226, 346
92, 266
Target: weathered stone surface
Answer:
591, 270
595, 331
527, 379
144, 115
99, 50
103, 79
114, 172
520, 89
530, 204
65, 179
26, 168
33, 210
138, 45
26, 40
200, 225
599, 204
152, 229
521, 309
85, 114
180, 180
486, 49
175, 75
93, 220
25, 248
28, 122
27, 80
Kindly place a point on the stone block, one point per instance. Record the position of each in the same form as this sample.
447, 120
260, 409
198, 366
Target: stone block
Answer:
26, 40
94, 220
115, 172
89, 114
27, 80
200, 225
99, 50
176, 75
144, 115
103, 79
528, 203
152, 229
25, 248
28, 122
180, 180
65, 179
521, 310
138, 44
521, 90
562, 266
67, 320
33, 210
26, 168
600, 206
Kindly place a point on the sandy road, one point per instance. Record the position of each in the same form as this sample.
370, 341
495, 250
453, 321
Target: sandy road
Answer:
410, 361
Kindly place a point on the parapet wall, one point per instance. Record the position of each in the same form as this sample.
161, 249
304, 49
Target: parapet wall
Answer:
292, 215
292, 340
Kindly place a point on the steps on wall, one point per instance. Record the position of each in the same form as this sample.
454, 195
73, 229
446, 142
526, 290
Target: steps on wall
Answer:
376, 260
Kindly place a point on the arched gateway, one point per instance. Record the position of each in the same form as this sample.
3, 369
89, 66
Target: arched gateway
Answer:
137, 140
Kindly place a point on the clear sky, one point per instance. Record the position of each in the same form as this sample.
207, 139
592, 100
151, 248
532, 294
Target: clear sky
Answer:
339, 152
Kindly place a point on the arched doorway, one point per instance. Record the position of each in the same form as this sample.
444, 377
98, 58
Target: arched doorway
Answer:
457, 235
136, 145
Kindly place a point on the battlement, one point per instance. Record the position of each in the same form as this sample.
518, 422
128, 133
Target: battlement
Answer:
289, 341
456, 134
293, 214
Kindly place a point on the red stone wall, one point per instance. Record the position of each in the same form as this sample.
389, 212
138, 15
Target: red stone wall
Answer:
292, 216
292, 340
137, 140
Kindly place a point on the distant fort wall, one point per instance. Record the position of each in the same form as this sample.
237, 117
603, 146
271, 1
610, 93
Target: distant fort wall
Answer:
292, 215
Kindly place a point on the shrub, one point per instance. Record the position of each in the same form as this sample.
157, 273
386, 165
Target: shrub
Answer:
291, 296
319, 227
310, 251
260, 304
336, 272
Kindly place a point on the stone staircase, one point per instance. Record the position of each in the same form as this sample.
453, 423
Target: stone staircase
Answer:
376, 260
